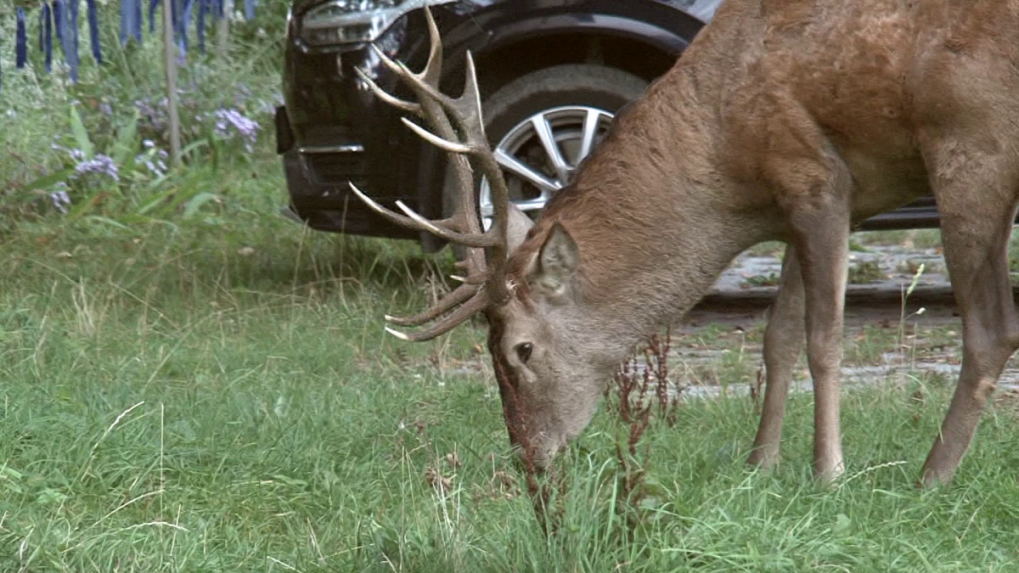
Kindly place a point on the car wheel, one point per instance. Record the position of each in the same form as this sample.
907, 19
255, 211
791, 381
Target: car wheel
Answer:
543, 124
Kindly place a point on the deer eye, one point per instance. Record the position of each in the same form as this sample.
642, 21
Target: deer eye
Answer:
524, 351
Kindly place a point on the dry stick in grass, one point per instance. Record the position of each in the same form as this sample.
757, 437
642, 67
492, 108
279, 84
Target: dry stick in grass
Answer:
632, 387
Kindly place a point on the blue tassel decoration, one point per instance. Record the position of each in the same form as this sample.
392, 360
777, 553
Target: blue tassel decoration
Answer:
58, 21
182, 30
71, 35
203, 10
21, 41
152, 15
93, 32
125, 17
46, 36
136, 20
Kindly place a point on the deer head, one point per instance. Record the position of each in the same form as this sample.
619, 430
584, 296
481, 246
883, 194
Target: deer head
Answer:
542, 338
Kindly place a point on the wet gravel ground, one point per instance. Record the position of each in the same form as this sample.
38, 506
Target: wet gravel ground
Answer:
925, 345
931, 341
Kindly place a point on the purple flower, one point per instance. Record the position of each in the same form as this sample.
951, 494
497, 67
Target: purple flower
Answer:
60, 198
157, 168
100, 164
231, 121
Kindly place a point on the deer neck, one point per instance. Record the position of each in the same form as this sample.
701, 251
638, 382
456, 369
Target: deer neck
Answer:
636, 285
655, 218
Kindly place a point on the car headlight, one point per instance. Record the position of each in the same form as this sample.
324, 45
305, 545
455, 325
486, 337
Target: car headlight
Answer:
354, 21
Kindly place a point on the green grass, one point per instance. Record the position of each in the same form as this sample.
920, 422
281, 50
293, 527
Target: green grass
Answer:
223, 398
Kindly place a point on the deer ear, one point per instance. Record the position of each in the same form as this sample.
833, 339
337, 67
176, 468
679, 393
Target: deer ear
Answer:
557, 260
516, 231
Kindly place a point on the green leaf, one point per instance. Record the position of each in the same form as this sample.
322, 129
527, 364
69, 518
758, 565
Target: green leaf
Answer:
80, 135
155, 202
196, 203
125, 144
10, 473
47, 181
109, 221
289, 480
195, 146
50, 496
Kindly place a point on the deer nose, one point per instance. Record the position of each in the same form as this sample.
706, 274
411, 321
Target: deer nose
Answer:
535, 460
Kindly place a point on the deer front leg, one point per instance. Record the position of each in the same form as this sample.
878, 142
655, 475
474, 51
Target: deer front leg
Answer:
823, 253
783, 342
817, 200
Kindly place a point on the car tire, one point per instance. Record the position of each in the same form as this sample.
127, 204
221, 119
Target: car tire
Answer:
568, 90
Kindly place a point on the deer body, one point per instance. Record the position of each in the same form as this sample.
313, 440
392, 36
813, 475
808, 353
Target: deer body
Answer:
785, 120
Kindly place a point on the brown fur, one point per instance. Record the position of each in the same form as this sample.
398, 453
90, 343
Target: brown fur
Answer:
785, 120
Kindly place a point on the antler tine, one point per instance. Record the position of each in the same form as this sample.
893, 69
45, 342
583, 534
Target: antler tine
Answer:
419, 223
432, 72
438, 141
447, 303
472, 279
425, 83
457, 127
433, 69
466, 112
388, 98
452, 320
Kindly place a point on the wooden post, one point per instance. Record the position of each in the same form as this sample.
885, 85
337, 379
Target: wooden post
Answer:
169, 51
223, 33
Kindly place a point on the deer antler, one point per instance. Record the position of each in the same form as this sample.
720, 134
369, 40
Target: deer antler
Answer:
458, 128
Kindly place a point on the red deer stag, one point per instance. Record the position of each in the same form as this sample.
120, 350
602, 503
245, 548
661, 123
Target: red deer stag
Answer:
785, 120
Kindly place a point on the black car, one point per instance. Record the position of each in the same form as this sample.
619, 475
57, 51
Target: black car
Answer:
552, 74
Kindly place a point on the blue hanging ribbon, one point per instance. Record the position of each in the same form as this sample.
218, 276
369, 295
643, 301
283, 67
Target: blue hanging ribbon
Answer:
93, 32
72, 39
66, 36
125, 21
249, 9
203, 10
46, 36
21, 41
130, 21
152, 15
182, 30
58, 20
136, 20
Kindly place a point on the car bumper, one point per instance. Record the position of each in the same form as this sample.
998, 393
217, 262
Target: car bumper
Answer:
318, 183
333, 132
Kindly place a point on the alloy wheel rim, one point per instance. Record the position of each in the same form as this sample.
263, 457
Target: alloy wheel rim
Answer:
540, 155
